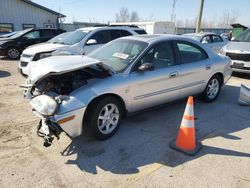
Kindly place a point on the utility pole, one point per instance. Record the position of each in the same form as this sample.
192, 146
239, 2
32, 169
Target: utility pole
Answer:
198, 24
173, 15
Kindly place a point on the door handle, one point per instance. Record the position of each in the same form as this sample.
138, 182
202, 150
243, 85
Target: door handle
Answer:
173, 74
208, 67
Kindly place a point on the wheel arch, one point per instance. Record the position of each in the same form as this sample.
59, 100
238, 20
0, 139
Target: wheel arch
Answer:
220, 75
100, 97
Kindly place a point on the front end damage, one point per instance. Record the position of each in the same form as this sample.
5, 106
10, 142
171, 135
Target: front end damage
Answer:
53, 101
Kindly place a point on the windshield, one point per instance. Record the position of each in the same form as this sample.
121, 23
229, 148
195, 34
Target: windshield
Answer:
243, 37
119, 54
58, 38
20, 33
73, 37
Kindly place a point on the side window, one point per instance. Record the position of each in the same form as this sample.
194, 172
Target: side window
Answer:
206, 40
101, 37
191, 53
216, 38
161, 55
119, 33
33, 35
48, 33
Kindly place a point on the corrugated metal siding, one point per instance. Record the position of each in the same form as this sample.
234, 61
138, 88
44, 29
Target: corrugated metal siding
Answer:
18, 12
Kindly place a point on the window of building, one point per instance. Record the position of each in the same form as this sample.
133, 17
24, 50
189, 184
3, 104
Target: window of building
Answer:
48, 25
6, 27
27, 26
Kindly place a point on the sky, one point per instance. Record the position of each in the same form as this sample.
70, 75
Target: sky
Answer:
157, 10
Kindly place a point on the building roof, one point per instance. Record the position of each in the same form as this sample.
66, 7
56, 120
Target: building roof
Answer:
43, 8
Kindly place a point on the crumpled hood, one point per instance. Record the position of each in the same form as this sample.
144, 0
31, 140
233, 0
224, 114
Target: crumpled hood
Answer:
242, 47
59, 65
43, 47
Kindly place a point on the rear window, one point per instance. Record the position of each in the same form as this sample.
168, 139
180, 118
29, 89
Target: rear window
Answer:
140, 31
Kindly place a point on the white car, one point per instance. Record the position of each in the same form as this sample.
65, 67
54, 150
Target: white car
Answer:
211, 40
79, 42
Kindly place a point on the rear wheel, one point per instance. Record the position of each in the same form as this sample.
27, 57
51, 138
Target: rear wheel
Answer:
104, 117
212, 90
13, 53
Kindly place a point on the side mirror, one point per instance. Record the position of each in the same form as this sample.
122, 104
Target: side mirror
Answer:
204, 42
146, 67
91, 42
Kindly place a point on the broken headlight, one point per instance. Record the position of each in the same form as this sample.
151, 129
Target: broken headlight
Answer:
44, 104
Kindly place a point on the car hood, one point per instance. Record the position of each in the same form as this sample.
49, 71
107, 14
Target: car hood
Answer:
5, 39
242, 47
43, 47
61, 64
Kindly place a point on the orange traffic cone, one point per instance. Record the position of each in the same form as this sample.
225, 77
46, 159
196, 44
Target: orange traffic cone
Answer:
185, 141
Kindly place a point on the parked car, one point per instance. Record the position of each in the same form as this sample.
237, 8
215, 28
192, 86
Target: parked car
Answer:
211, 40
13, 46
124, 76
239, 51
79, 42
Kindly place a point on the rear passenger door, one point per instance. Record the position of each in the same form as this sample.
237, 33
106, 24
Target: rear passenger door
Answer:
101, 38
194, 69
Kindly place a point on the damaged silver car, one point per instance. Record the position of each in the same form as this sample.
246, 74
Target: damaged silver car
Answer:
124, 76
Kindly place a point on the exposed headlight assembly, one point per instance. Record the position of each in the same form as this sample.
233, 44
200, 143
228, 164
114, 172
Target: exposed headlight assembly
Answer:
44, 105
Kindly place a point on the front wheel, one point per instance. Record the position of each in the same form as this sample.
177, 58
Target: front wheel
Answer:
104, 117
212, 90
13, 53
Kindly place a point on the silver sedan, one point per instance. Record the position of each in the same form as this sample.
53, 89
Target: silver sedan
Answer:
124, 76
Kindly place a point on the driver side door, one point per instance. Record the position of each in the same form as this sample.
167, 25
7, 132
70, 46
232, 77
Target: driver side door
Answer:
153, 87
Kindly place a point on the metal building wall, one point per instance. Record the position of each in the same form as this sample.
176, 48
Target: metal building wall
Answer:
18, 12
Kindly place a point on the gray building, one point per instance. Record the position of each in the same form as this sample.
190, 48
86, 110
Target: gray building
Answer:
16, 15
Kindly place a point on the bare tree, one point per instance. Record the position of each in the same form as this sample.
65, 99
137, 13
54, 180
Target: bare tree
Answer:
134, 16
123, 15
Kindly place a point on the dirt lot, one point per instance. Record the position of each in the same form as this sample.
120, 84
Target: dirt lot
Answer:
137, 156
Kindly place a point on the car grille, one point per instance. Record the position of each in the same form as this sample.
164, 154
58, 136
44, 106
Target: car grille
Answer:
24, 64
241, 57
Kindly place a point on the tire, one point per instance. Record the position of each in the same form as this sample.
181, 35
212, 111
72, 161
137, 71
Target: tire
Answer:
104, 116
13, 53
212, 90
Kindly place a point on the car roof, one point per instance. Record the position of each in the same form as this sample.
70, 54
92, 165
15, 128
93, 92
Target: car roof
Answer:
107, 28
201, 34
156, 37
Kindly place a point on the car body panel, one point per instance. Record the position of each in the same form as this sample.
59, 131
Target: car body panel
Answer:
137, 90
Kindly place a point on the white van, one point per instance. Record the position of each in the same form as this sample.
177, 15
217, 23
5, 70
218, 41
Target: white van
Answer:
161, 27
79, 42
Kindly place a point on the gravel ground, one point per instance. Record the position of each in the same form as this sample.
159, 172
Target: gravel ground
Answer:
137, 156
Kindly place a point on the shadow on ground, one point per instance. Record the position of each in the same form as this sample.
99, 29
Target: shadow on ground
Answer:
4, 74
144, 139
